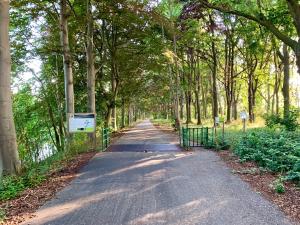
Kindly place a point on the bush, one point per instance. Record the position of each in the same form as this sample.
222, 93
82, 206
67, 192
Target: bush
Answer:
279, 186
35, 173
275, 151
273, 120
290, 122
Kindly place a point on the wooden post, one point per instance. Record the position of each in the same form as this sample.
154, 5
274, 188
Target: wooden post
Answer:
223, 133
244, 125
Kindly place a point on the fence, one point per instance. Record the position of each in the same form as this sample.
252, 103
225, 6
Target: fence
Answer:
197, 137
106, 133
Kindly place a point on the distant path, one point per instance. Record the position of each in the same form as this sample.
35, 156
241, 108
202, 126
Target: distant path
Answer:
160, 188
145, 137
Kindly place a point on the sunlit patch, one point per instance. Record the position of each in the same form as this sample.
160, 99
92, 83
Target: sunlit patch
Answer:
46, 214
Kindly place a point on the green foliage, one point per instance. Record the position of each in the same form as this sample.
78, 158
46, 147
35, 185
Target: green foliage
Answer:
10, 187
289, 122
294, 174
273, 120
159, 121
279, 186
35, 173
2, 214
276, 151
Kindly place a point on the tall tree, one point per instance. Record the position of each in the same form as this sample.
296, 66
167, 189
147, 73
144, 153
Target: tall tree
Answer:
8, 144
68, 72
285, 58
284, 12
90, 63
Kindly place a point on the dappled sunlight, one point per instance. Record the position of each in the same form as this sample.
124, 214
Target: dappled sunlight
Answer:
56, 211
157, 175
189, 213
144, 164
136, 166
162, 216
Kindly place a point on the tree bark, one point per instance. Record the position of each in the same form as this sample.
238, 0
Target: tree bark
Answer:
177, 116
67, 59
181, 106
90, 65
123, 114
9, 158
286, 81
214, 82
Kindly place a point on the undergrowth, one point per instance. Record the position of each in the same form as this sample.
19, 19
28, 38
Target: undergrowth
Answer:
276, 150
34, 173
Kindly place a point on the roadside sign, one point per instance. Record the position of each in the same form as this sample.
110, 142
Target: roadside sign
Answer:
217, 120
82, 123
243, 115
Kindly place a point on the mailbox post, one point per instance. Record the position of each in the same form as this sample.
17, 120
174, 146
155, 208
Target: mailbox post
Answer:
244, 118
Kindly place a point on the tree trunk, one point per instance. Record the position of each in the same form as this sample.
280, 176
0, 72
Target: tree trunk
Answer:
56, 134
177, 116
234, 110
188, 107
90, 66
199, 122
64, 36
286, 80
9, 158
252, 87
204, 98
214, 82
114, 108
128, 115
297, 54
108, 116
181, 106
123, 114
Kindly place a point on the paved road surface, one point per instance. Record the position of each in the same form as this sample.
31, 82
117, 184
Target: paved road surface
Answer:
169, 188
144, 137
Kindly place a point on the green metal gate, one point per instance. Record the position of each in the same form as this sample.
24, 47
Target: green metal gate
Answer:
197, 137
106, 133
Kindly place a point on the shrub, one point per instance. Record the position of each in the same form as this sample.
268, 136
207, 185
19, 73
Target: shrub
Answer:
290, 122
279, 186
275, 151
272, 120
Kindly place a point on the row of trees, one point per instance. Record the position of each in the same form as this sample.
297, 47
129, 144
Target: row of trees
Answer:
121, 59
233, 57
96, 56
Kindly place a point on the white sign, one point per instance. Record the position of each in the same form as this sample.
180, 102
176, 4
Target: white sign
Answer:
243, 115
217, 120
82, 123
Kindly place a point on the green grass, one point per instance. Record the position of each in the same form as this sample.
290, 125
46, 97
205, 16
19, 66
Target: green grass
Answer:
162, 122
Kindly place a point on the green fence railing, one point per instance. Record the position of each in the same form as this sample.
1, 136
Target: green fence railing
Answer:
106, 137
197, 137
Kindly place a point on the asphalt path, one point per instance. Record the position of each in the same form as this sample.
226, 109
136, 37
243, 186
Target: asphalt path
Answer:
157, 187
